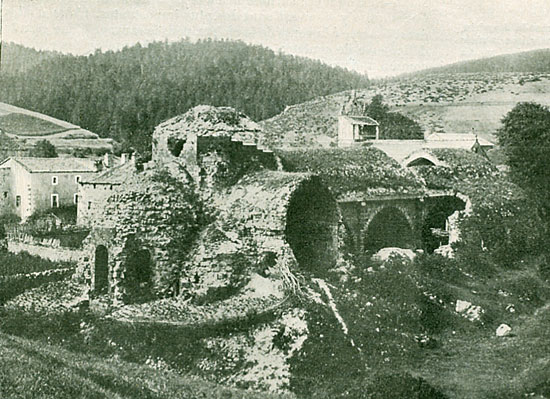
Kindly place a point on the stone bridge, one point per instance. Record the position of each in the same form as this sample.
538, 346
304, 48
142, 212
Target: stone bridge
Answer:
404, 221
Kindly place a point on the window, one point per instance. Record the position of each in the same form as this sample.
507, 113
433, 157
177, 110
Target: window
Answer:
77, 179
55, 201
54, 180
75, 198
18, 201
5, 194
89, 204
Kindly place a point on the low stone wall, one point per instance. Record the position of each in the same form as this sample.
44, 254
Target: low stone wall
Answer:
54, 254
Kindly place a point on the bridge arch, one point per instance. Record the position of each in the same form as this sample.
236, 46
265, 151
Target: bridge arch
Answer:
421, 158
389, 227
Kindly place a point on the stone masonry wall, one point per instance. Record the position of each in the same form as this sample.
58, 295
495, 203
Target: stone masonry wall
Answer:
50, 253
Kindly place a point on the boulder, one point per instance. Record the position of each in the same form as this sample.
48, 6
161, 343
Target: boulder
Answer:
446, 251
386, 253
503, 330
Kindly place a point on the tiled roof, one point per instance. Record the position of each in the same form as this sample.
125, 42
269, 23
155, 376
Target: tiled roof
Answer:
362, 120
116, 175
44, 165
456, 140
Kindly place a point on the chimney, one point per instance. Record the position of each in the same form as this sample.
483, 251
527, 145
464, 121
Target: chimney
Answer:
123, 158
98, 165
108, 160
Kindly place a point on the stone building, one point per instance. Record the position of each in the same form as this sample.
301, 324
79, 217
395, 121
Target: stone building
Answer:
209, 199
30, 184
354, 125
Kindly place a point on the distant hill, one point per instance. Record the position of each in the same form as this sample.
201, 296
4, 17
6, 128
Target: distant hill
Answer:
17, 58
440, 103
529, 61
125, 94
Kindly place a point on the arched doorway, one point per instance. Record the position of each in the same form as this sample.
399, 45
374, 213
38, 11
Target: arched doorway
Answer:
101, 269
388, 228
139, 272
312, 225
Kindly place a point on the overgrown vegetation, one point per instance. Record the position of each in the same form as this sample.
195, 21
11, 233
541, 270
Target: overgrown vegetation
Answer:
31, 370
23, 263
44, 149
358, 169
525, 139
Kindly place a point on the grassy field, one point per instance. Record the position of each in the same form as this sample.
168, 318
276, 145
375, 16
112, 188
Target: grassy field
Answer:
27, 125
32, 370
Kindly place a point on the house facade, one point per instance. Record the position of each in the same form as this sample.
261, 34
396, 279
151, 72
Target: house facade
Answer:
28, 185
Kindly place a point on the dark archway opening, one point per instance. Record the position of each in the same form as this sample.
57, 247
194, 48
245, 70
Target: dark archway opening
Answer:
434, 227
421, 162
101, 269
389, 228
139, 273
312, 226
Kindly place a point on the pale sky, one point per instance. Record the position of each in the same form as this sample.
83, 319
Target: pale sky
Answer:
379, 37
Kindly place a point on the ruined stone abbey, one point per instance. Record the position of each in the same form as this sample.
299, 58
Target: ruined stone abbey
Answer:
212, 202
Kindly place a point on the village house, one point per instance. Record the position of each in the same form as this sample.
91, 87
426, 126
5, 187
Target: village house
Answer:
28, 185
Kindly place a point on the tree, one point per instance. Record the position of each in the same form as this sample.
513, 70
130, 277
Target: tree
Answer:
393, 125
525, 140
44, 149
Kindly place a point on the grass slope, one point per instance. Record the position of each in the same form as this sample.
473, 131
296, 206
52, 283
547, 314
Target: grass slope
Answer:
27, 125
31, 370
440, 103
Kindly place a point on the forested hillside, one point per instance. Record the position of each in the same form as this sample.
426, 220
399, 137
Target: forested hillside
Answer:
125, 94
529, 61
16, 58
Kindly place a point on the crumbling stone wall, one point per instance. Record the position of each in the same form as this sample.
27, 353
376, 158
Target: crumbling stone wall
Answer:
153, 212
92, 199
188, 138
251, 234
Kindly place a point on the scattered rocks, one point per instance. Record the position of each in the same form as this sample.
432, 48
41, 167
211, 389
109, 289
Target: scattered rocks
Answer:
468, 311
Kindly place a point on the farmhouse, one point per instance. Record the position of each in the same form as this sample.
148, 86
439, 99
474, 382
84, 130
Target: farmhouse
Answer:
28, 185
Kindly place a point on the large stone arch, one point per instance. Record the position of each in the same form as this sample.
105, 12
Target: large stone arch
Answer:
389, 227
259, 230
312, 226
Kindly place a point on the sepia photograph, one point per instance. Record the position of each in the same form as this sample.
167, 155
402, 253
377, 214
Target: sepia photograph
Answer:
275, 199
